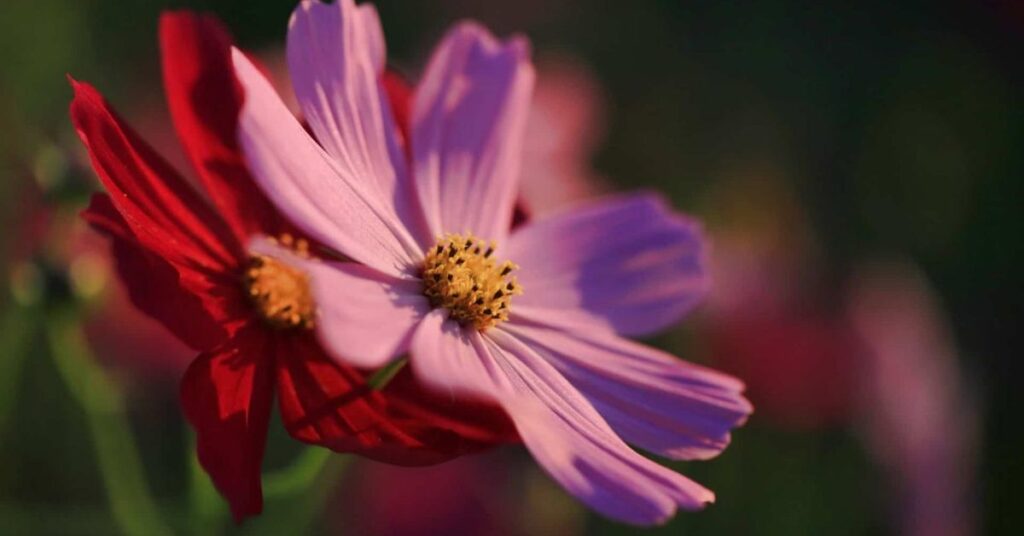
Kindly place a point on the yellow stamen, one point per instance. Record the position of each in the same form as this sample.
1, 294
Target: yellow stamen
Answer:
460, 275
279, 292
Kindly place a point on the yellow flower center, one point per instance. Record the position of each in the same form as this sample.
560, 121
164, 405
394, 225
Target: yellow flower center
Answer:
460, 275
280, 293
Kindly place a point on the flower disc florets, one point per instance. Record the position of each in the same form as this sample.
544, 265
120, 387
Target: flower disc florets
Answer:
279, 292
460, 275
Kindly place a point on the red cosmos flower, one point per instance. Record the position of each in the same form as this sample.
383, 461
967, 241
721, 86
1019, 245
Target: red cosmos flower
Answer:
184, 261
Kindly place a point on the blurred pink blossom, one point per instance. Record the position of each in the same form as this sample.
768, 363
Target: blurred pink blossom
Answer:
120, 337
566, 123
770, 320
53, 234
919, 420
468, 495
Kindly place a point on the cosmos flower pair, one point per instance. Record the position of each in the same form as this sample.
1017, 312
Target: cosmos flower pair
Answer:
386, 235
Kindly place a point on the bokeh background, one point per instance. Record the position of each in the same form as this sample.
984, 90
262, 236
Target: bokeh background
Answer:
859, 166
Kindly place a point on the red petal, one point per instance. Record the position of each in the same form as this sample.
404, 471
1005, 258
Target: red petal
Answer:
326, 404
163, 212
399, 94
153, 284
227, 394
205, 100
453, 425
330, 405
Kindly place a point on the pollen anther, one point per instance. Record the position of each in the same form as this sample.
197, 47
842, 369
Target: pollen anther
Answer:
279, 292
459, 276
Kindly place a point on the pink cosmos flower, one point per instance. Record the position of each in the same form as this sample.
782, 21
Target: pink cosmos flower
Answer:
421, 223
565, 125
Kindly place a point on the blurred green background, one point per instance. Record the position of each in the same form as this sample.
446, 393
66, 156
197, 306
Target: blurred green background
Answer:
821, 136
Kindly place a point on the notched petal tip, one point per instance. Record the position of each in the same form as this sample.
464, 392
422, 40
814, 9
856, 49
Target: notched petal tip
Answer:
468, 30
468, 119
471, 29
307, 7
703, 502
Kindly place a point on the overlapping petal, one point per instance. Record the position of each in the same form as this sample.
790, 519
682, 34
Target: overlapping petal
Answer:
560, 427
330, 405
335, 207
459, 424
468, 118
374, 316
321, 402
204, 101
625, 262
399, 93
371, 314
336, 56
448, 358
651, 399
587, 457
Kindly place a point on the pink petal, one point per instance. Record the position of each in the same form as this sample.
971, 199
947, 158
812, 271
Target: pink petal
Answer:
469, 113
580, 450
559, 426
651, 399
365, 317
612, 479
626, 262
336, 55
367, 17
448, 358
334, 206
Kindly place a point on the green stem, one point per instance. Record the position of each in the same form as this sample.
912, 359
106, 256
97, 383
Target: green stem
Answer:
17, 330
208, 510
298, 493
298, 476
382, 377
37, 518
119, 463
